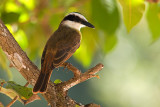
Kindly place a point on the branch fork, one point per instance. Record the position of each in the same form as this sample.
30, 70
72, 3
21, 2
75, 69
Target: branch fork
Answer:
56, 95
78, 76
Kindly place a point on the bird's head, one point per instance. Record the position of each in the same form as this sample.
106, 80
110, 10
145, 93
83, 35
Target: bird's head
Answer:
76, 20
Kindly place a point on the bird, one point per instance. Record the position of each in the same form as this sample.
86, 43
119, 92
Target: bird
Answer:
61, 45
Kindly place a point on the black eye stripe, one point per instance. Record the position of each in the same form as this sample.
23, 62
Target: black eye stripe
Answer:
78, 19
74, 18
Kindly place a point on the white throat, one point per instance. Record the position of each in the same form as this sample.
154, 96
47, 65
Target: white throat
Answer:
73, 24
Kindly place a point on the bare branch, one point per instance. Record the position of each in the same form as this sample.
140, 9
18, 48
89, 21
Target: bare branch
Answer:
26, 84
83, 77
56, 95
21, 62
12, 102
75, 71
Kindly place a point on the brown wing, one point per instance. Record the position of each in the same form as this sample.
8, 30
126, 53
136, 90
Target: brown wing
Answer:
64, 52
43, 56
52, 58
46, 61
59, 48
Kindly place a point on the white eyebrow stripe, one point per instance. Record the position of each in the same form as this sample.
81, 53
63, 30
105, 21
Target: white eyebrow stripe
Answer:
79, 15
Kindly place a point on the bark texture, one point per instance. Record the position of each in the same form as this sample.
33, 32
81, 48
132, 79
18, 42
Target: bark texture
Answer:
56, 95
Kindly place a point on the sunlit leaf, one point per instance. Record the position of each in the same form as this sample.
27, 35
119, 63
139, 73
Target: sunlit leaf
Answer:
10, 93
30, 4
153, 17
9, 27
35, 46
11, 6
77, 105
57, 81
87, 48
24, 92
4, 65
21, 38
23, 17
10, 17
110, 42
133, 11
3, 59
12, 90
105, 14
83, 55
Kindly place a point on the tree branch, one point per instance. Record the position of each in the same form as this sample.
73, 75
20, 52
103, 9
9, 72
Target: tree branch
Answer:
56, 95
12, 102
81, 76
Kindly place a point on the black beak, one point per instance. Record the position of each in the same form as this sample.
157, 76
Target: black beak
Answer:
88, 24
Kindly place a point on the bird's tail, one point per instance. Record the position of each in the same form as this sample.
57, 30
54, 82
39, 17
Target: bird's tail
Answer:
42, 82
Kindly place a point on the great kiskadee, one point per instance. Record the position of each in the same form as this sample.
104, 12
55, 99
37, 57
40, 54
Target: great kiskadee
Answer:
60, 47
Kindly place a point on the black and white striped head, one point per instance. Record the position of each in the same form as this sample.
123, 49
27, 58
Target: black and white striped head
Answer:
76, 20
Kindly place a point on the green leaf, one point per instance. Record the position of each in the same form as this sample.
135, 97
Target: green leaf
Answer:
88, 46
133, 11
23, 92
10, 17
105, 14
83, 55
21, 38
12, 90
30, 4
57, 81
11, 6
77, 105
109, 44
9, 93
4, 65
153, 18
24, 17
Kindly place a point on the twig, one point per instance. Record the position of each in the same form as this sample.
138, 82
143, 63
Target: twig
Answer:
56, 95
83, 77
26, 84
12, 102
75, 71
16, 97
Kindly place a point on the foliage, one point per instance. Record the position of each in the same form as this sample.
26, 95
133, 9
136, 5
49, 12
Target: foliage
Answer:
12, 90
153, 18
28, 18
133, 11
57, 81
32, 22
